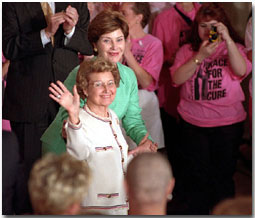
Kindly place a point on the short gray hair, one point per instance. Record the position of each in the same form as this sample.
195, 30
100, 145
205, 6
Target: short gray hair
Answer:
148, 176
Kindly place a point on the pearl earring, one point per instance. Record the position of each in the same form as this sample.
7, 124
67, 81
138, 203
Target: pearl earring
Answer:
169, 197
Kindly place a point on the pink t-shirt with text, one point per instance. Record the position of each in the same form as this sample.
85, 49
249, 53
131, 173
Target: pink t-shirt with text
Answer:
213, 95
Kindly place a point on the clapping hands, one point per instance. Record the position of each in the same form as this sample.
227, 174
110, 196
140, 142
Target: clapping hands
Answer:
71, 19
68, 18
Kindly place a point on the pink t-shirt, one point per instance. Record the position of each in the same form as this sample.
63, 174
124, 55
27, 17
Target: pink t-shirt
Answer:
169, 25
213, 95
5, 123
148, 52
3, 58
171, 29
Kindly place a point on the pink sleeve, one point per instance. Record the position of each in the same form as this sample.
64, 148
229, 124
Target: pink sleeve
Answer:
3, 59
153, 62
157, 29
248, 63
168, 36
182, 56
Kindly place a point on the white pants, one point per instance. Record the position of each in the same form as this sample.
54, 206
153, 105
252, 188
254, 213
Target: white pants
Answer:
148, 101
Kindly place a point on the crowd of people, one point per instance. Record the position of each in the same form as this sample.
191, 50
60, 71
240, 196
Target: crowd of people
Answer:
111, 110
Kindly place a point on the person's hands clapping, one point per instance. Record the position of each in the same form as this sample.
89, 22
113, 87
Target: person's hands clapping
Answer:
71, 19
71, 103
53, 23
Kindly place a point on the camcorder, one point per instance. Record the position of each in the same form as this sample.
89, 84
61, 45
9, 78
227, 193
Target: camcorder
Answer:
213, 35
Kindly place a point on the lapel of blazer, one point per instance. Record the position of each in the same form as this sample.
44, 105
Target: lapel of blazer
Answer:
60, 6
35, 11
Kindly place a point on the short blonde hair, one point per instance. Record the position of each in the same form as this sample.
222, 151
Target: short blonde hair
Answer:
57, 182
148, 176
95, 65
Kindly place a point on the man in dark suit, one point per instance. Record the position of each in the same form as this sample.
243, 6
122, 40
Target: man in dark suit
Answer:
42, 48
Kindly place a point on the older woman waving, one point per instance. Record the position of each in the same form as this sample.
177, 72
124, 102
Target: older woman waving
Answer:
107, 33
94, 134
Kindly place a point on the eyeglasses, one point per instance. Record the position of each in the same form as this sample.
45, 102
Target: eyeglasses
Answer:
100, 84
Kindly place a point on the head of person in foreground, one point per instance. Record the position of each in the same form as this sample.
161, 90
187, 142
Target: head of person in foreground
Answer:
240, 205
149, 183
57, 184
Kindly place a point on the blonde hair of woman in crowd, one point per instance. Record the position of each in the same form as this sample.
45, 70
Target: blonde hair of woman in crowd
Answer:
57, 184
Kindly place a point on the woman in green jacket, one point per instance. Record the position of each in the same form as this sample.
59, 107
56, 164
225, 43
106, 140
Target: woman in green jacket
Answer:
107, 33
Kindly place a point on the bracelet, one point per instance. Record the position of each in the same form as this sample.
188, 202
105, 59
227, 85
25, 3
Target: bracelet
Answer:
197, 62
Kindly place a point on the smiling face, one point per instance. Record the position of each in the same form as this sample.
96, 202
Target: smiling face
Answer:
101, 90
204, 29
111, 46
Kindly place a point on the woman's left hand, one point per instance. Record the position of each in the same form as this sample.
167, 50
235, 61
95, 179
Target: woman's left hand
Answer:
145, 145
222, 30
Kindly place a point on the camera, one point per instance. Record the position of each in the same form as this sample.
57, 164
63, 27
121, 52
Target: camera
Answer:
213, 35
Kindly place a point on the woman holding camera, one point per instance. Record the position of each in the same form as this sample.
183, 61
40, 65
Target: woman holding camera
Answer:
210, 109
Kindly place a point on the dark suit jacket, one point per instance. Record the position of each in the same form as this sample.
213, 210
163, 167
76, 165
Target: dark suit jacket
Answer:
15, 198
33, 67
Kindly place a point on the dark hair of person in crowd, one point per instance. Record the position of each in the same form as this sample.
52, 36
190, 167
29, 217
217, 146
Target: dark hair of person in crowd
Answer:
207, 12
144, 9
106, 22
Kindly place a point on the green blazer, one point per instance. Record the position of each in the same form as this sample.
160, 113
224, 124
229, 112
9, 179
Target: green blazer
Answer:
125, 105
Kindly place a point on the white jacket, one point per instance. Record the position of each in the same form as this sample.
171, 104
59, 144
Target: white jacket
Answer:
100, 142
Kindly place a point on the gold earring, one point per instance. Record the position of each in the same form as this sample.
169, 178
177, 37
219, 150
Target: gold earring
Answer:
95, 49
